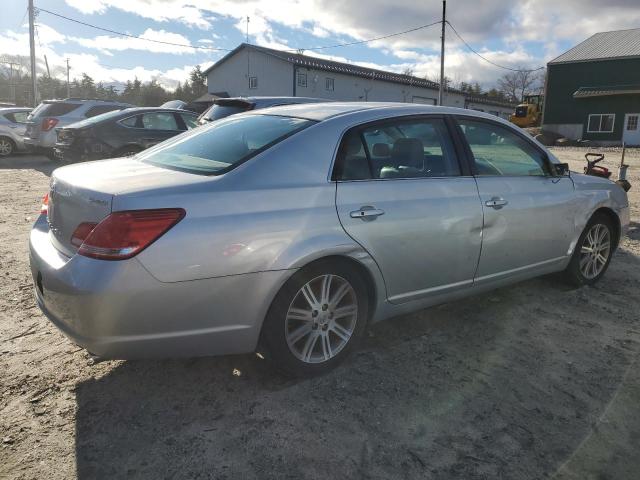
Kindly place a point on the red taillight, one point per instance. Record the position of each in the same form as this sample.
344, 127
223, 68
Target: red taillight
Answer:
44, 208
124, 234
81, 233
48, 124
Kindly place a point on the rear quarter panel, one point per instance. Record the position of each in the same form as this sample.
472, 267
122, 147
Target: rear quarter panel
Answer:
274, 212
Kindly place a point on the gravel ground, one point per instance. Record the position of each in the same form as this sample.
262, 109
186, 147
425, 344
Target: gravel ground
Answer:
536, 380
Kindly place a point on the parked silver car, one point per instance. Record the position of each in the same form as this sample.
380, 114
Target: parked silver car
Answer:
290, 229
52, 114
12, 128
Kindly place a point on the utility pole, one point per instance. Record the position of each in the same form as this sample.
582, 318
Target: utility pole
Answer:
444, 20
68, 87
32, 49
247, 29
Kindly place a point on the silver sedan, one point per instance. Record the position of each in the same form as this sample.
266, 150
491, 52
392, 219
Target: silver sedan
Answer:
290, 229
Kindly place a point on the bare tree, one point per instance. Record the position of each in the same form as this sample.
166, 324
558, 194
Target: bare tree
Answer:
515, 85
408, 71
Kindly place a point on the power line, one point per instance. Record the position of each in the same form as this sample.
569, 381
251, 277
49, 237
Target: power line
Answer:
122, 34
485, 58
359, 42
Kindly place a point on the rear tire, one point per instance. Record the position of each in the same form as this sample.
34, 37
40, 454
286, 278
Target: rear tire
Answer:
316, 319
593, 252
7, 147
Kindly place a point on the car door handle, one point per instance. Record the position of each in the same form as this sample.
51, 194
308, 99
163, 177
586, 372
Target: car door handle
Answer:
367, 213
496, 202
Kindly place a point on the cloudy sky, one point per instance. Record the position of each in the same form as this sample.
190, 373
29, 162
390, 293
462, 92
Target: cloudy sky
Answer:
523, 33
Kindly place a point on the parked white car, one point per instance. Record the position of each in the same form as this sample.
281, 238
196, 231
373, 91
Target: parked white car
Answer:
12, 129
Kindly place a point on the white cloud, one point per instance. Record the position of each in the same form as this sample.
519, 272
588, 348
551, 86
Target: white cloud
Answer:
107, 44
158, 10
499, 30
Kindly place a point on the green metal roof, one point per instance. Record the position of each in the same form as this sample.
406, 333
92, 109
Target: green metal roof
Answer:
604, 46
606, 91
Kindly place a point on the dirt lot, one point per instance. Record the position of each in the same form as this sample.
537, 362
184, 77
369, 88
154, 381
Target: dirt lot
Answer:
533, 381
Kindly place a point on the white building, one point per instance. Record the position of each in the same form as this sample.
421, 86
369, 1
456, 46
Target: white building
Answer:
249, 70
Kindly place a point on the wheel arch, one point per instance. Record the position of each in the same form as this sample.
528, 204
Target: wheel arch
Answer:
615, 221
10, 140
361, 262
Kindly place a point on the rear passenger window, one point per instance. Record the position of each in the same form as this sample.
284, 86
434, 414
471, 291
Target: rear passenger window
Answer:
159, 121
498, 151
402, 149
131, 122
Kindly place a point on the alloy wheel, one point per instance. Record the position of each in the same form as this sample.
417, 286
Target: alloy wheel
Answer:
5, 147
321, 318
595, 251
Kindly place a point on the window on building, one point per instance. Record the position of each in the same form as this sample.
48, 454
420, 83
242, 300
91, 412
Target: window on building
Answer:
632, 122
253, 82
302, 79
328, 84
601, 123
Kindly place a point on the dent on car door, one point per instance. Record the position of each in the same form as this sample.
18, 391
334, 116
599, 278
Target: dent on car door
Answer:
528, 213
400, 194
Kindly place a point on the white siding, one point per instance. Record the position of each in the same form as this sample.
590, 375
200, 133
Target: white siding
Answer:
275, 76
354, 88
502, 112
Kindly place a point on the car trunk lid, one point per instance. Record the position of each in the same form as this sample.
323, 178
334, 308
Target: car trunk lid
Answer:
84, 193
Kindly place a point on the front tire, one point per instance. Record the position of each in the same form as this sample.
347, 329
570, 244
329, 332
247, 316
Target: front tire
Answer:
593, 252
316, 319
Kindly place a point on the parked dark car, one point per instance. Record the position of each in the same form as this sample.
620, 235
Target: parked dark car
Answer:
223, 107
120, 134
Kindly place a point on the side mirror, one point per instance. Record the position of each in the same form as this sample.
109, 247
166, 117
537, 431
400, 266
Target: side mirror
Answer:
561, 169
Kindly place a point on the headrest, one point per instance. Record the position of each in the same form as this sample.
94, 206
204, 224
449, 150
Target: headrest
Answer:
381, 150
408, 152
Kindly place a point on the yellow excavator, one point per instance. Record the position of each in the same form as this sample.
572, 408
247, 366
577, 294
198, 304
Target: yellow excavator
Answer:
529, 112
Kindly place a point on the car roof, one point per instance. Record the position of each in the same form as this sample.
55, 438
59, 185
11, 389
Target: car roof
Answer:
84, 100
324, 111
259, 101
14, 109
155, 109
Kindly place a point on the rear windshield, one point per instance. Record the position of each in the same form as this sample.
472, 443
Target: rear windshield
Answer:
54, 109
219, 147
221, 111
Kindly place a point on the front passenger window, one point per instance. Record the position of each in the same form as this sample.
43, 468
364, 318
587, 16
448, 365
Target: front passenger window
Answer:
497, 151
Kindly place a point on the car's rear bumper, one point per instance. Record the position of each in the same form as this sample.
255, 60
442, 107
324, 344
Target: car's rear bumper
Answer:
41, 139
72, 153
117, 309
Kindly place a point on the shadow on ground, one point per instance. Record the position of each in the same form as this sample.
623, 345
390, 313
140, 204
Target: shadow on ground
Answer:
507, 385
21, 162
